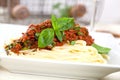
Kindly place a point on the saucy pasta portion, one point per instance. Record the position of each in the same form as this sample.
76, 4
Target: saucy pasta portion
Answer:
58, 39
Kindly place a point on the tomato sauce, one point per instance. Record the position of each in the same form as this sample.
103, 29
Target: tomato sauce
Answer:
30, 41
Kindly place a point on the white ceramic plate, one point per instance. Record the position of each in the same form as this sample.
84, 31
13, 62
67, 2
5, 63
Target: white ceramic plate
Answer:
59, 68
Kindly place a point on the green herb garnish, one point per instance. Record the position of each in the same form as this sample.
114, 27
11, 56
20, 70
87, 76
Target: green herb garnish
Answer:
100, 49
9, 46
37, 35
76, 28
72, 42
46, 37
59, 25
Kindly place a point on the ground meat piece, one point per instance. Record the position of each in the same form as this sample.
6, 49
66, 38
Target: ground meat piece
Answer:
16, 48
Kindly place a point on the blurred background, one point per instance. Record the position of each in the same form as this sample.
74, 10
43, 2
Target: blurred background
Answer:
26, 12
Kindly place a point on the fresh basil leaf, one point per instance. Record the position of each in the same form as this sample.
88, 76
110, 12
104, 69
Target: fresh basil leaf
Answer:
62, 23
65, 23
46, 37
101, 50
54, 22
59, 35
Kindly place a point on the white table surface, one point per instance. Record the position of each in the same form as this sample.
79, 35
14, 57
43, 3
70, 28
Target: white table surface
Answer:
6, 75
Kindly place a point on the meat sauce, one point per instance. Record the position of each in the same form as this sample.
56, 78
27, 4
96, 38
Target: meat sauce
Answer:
29, 39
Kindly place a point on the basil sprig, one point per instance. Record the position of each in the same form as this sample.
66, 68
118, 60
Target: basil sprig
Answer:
100, 49
60, 25
46, 37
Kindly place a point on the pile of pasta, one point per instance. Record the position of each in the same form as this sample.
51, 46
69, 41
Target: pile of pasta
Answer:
79, 52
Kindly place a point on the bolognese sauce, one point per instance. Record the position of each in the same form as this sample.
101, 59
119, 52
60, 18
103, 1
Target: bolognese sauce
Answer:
29, 39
